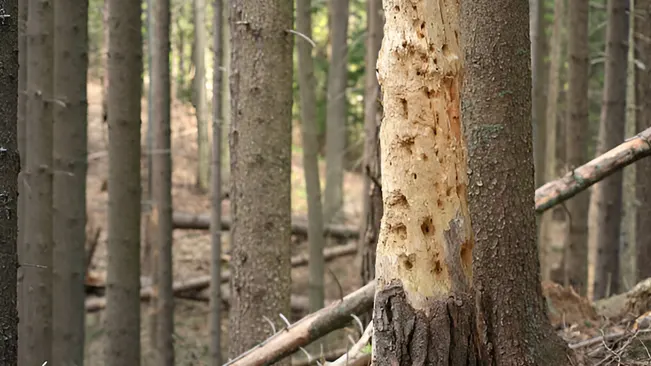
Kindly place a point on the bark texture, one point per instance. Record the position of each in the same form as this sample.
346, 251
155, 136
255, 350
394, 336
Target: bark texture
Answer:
307, 85
606, 198
9, 168
260, 145
37, 318
576, 254
643, 121
201, 109
336, 109
424, 308
161, 182
69, 180
372, 191
496, 96
122, 322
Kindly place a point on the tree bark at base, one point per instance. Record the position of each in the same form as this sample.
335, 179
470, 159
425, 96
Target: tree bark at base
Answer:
406, 336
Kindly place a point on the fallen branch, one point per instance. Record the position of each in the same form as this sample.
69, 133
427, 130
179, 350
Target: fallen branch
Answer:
557, 191
200, 283
308, 329
184, 220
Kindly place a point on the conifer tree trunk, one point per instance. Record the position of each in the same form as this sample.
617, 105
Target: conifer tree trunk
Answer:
9, 169
125, 64
203, 162
606, 198
496, 112
69, 180
576, 254
260, 144
424, 309
37, 318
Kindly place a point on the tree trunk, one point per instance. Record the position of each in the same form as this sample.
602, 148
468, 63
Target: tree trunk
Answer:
69, 181
216, 199
161, 182
122, 322
576, 254
336, 113
260, 143
424, 309
105, 44
606, 199
9, 168
180, 49
547, 244
203, 162
38, 205
226, 96
539, 76
643, 118
307, 85
512, 313
372, 192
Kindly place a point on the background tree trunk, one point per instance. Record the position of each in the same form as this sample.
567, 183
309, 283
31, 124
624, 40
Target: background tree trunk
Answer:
307, 85
424, 310
105, 44
69, 181
336, 114
9, 168
606, 199
496, 112
643, 119
122, 321
226, 97
576, 254
38, 205
201, 109
539, 81
260, 144
161, 175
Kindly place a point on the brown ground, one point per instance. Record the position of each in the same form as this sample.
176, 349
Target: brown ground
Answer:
192, 248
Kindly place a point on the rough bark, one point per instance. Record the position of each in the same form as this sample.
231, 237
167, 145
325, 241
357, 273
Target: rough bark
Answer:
122, 323
69, 181
22, 148
606, 199
576, 254
643, 120
260, 145
372, 192
9, 168
336, 110
161, 182
37, 318
497, 115
309, 129
201, 109
216, 185
539, 84
424, 308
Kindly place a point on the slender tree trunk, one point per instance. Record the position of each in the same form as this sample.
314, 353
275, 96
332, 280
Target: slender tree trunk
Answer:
216, 199
372, 192
538, 53
606, 199
180, 49
9, 169
260, 143
576, 254
336, 110
69, 180
162, 177
122, 322
226, 96
307, 85
496, 112
38, 205
643, 118
105, 44
203, 162
424, 309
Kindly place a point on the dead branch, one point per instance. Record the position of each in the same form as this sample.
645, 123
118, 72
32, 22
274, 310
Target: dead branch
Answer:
308, 329
184, 220
557, 191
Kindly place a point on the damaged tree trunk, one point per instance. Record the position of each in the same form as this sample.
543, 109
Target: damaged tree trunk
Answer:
424, 312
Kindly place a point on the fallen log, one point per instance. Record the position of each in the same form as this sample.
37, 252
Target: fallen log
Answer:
184, 220
310, 328
579, 179
202, 282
